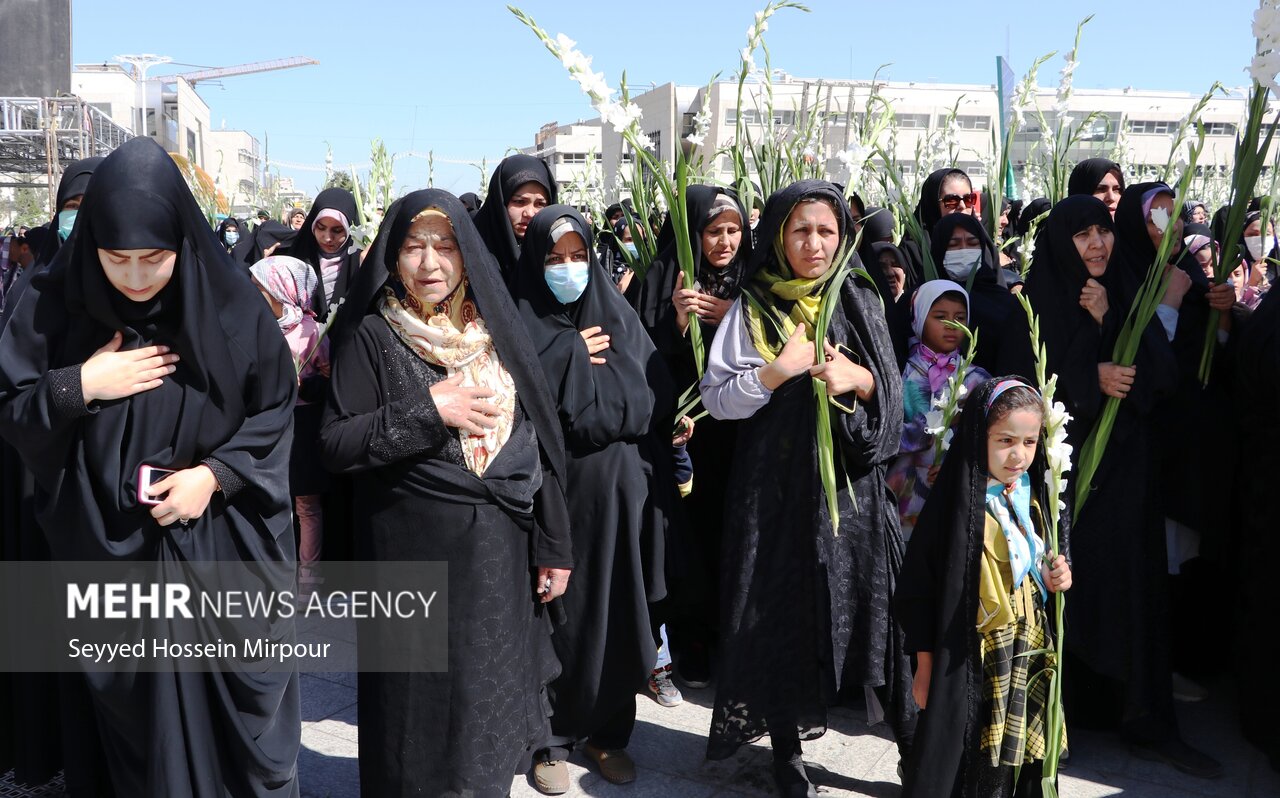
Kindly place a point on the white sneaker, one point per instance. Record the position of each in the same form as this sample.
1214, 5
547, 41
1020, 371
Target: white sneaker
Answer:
664, 690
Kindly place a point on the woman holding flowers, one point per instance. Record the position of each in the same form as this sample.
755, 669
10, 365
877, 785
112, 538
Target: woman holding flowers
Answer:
980, 553
804, 605
721, 244
1084, 277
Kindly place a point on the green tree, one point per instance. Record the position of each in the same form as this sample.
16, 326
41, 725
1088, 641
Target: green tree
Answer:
30, 208
340, 180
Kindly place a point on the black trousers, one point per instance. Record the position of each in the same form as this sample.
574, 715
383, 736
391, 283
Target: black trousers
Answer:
614, 735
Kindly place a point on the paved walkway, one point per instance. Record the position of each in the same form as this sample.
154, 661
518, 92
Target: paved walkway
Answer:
851, 759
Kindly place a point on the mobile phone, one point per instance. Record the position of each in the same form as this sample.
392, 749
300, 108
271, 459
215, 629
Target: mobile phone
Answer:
148, 476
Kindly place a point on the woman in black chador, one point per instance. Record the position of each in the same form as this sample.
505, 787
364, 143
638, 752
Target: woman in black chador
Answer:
964, 252
142, 345
325, 242
1084, 277
721, 241
606, 401
438, 408
520, 187
805, 611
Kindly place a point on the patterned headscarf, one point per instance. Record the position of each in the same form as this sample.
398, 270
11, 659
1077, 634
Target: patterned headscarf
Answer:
289, 281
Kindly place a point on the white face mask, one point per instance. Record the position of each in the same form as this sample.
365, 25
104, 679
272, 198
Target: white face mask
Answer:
1255, 246
960, 263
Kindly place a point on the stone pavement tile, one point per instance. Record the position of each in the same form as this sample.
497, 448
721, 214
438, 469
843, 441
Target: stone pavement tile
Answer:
344, 678
321, 698
341, 724
1095, 751
679, 752
692, 715
327, 767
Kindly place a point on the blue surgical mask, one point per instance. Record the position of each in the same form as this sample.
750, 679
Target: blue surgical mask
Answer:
232, 237
66, 221
960, 263
568, 280
631, 248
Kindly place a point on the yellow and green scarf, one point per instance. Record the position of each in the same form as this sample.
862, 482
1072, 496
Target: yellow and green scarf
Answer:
787, 300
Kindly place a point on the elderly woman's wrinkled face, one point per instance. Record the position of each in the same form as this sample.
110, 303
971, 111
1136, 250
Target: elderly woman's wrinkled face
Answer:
430, 261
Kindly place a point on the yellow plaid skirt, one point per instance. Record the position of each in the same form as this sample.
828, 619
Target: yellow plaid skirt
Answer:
1014, 697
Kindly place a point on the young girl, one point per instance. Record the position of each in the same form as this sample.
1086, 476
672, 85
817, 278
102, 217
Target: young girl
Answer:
979, 554
289, 284
935, 355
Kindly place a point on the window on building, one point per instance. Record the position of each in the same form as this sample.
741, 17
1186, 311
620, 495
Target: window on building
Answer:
1219, 129
912, 121
834, 118
151, 122
784, 117
628, 157
573, 157
193, 152
968, 121
1161, 127
656, 137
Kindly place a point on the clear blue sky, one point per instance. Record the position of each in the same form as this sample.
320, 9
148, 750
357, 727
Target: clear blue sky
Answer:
466, 79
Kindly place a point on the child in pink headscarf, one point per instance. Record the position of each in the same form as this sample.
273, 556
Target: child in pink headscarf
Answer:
288, 285
935, 355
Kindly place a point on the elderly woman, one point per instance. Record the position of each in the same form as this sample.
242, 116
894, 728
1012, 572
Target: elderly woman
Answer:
439, 408
805, 609
141, 346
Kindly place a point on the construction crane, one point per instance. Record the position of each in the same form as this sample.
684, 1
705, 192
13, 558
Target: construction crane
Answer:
245, 69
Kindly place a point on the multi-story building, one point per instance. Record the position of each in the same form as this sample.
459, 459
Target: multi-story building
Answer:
235, 164
172, 112
1137, 127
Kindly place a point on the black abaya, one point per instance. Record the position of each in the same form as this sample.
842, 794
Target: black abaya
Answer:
605, 646
470, 730
696, 559
228, 406
805, 612
1118, 624
937, 605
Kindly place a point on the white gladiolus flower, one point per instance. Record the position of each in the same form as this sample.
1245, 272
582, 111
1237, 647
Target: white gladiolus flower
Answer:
946, 439
696, 139
1160, 218
933, 421
564, 43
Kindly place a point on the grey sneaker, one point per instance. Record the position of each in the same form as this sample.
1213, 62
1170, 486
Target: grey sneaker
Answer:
664, 690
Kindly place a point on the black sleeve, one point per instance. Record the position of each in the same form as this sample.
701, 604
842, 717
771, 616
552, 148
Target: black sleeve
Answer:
552, 546
361, 429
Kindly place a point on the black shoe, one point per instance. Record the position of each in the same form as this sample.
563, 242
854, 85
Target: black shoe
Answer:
1180, 756
791, 779
694, 669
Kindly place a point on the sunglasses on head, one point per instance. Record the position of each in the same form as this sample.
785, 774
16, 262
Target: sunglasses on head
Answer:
950, 201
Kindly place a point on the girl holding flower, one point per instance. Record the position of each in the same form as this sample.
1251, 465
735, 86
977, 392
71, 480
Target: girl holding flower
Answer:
935, 356
979, 553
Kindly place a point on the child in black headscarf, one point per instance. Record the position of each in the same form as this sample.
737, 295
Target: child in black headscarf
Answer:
979, 553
